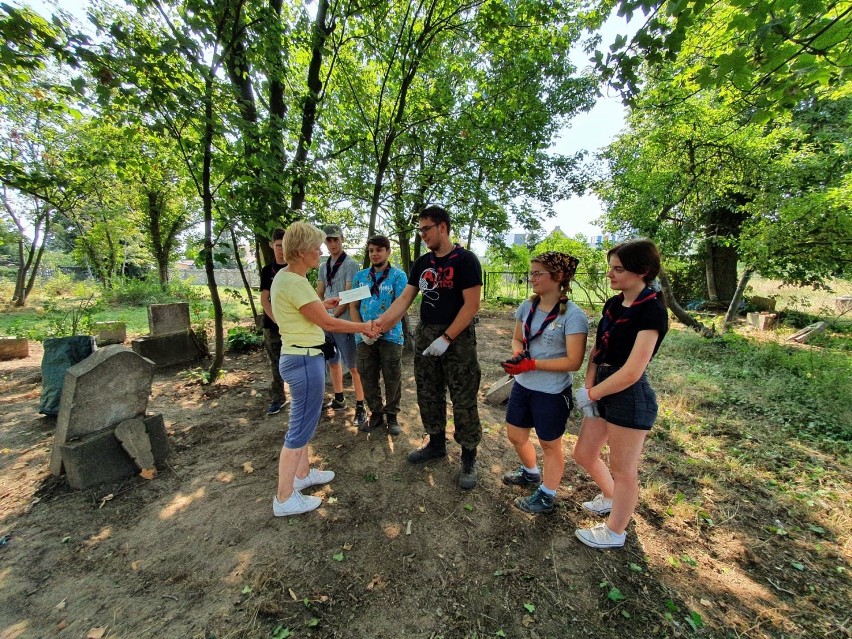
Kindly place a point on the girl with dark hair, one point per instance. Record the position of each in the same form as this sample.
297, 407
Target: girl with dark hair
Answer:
619, 403
549, 344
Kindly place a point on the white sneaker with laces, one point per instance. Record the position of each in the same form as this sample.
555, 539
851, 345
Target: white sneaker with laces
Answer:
296, 504
600, 536
313, 478
600, 505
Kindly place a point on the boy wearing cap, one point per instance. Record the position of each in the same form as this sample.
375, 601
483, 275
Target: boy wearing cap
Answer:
384, 355
335, 276
271, 336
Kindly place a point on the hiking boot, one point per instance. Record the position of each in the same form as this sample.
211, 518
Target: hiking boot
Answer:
600, 536
521, 477
274, 408
313, 478
436, 448
376, 420
538, 502
467, 478
600, 505
335, 404
361, 418
296, 504
393, 425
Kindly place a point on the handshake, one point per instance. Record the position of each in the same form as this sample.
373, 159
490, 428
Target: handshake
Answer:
372, 331
586, 403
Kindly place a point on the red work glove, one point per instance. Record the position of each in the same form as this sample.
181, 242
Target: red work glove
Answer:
521, 363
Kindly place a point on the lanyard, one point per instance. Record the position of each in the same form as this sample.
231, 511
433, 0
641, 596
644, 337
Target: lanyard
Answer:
374, 290
331, 272
528, 324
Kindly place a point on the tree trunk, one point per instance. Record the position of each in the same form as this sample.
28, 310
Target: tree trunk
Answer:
735, 300
239, 261
678, 310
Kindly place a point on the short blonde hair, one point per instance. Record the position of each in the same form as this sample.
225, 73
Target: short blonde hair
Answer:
301, 237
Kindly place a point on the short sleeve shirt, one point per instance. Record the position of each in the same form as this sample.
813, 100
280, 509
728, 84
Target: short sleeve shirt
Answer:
342, 277
550, 345
289, 293
380, 300
651, 315
267, 274
442, 280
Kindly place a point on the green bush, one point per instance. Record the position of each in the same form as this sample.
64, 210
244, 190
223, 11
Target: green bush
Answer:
688, 279
132, 292
242, 339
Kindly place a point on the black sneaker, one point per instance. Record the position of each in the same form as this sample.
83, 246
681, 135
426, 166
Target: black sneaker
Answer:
376, 420
393, 425
361, 418
436, 448
467, 478
335, 404
275, 408
521, 477
538, 502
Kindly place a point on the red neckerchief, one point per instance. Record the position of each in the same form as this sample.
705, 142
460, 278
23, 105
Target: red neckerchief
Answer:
331, 272
608, 323
374, 290
554, 312
451, 256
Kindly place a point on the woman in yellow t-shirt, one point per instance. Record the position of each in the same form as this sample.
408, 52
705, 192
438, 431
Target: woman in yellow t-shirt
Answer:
301, 317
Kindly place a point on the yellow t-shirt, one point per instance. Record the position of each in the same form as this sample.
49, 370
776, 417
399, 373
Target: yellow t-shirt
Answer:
290, 292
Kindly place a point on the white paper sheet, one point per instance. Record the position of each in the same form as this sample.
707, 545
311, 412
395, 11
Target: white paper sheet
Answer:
354, 294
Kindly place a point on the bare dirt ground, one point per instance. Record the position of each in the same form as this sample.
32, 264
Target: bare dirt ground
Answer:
395, 550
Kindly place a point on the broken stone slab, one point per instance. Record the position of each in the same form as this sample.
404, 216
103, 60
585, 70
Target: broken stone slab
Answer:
14, 348
500, 390
109, 386
166, 350
807, 332
134, 440
99, 457
164, 319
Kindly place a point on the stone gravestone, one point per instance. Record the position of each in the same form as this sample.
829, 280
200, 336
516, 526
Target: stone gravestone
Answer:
165, 319
171, 340
500, 390
107, 388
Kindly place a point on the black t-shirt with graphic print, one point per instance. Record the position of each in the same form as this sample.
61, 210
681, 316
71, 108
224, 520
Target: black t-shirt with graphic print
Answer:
651, 315
441, 281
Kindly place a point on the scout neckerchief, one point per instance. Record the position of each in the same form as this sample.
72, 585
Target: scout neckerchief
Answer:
331, 272
374, 290
276, 268
451, 256
609, 323
528, 324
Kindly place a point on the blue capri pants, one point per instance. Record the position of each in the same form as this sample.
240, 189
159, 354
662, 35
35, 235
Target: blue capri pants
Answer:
305, 374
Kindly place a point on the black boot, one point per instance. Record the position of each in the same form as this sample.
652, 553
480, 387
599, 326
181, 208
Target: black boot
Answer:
467, 479
437, 447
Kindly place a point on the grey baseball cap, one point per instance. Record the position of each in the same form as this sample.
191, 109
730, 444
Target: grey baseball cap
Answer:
332, 230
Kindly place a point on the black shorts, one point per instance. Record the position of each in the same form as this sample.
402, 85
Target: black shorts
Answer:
546, 412
634, 407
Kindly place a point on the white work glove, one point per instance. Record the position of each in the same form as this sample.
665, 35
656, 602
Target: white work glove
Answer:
591, 411
583, 399
369, 341
437, 348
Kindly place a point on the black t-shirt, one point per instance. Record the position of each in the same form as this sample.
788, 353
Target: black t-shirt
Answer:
441, 281
267, 274
651, 315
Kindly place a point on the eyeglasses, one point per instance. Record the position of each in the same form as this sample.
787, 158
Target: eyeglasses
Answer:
534, 274
423, 230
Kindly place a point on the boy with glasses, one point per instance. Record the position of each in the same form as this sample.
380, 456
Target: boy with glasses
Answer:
450, 280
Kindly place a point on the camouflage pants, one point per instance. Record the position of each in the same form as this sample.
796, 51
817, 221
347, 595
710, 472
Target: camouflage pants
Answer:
458, 371
385, 358
272, 346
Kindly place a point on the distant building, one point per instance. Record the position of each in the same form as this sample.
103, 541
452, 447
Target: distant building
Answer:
519, 239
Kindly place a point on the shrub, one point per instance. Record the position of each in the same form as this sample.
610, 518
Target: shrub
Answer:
242, 339
688, 279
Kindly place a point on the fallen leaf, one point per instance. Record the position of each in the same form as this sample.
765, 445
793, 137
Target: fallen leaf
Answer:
332, 500
706, 602
347, 546
62, 624
96, 633
148, 473
134, 565
60, 605
293, 595
105, 499
408, 528
248, 469
422, 509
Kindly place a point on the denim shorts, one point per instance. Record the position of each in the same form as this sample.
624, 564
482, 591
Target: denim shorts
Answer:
345, 343
546, 412
634, 407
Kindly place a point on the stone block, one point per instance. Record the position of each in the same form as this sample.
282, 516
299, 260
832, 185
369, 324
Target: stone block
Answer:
110, 333
109, 386
500, 390
99, 457
164, 319
166, 350
14, 348
762, 321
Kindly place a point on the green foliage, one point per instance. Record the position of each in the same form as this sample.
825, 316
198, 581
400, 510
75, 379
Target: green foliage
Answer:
688, 279
133, 292
242, 339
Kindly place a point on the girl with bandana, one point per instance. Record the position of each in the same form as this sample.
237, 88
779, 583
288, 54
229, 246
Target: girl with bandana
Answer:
549, 344
619, 404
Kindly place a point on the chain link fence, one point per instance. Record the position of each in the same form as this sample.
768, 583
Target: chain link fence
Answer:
588, 288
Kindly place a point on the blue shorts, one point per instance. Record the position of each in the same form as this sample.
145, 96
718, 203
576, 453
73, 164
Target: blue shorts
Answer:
305, 375
546, 412
634, 407
345, 343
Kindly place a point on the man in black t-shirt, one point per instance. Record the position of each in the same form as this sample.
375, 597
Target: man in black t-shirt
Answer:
271, 336
450, 280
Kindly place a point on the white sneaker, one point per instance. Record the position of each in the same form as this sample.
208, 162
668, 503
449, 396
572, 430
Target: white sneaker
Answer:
600, 536
296, 504
313, 478
600, 505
